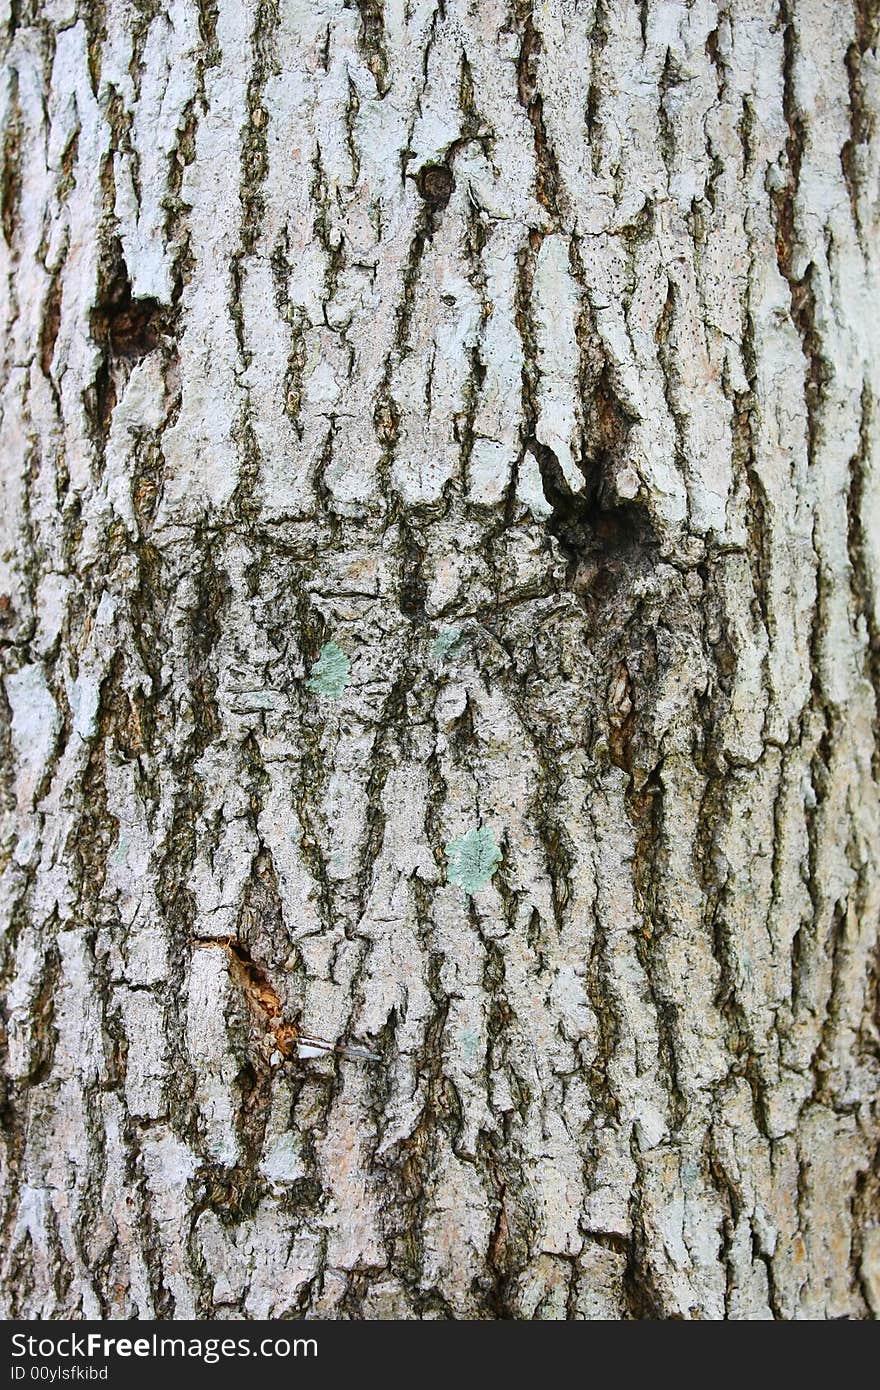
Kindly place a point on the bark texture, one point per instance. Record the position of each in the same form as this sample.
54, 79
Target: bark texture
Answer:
548, 329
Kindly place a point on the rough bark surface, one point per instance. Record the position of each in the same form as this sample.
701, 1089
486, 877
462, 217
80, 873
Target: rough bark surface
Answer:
553, 323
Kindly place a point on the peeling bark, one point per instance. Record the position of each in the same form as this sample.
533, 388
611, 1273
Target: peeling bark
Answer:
551, 329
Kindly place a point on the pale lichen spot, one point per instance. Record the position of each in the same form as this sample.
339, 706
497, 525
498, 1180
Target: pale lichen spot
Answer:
448, 642
473, 859
330, 672
469, 1042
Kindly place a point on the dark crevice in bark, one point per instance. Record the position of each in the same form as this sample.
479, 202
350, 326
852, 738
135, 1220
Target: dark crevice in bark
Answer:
254, 160
413, 588
44, 1034
11, 174
95, 18
244, 503
547, 176
667, 357
865, 1209
745, 412
731, 1201
176, 853
408, 1164
818, 369
231, 1193
860, 127
643, 1299
51, 322
89, 846
126, 329
525, 325
592, 114
208, 16
602, 542
371, 41
861, 582
176, 228
862, 117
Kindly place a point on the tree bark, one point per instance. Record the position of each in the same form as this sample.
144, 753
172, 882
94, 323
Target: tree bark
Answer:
528, 353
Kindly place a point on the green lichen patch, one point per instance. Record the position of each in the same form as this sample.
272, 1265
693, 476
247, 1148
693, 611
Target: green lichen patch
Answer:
330, 673
473, 859
448, 642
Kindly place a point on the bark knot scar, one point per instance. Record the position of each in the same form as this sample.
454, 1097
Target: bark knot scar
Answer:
435, 184
604, 542
127, 326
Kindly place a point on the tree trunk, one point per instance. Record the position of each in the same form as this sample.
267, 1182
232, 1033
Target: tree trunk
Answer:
420, 420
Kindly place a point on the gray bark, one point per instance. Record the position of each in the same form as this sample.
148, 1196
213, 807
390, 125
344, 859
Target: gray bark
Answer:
553, 325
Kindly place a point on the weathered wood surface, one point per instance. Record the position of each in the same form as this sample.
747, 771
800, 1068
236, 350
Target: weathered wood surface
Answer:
555, 324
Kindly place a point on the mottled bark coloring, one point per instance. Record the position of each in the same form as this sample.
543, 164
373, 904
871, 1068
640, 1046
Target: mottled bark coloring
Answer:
421, 421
